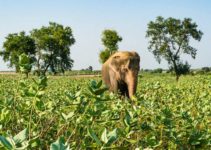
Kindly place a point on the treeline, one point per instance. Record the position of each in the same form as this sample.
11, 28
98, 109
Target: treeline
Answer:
203, 70
47, 47
89, 71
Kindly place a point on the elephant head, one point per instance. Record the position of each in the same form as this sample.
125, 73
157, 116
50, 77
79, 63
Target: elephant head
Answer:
120, 72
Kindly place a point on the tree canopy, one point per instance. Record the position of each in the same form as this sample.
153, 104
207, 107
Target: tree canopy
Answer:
110, 39
47, 47
16, 44
169, 38
53, 47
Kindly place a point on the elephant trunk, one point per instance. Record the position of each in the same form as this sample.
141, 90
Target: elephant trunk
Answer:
132, 84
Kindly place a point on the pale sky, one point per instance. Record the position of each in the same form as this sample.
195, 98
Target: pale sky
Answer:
88, 18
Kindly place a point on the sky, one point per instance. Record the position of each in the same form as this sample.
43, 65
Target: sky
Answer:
88, 18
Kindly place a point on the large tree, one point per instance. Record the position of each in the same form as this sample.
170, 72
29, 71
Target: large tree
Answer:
170, 38
15, 45
53, 47
110, 39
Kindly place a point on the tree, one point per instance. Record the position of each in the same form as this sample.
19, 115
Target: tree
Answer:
14, 46
104, 55
182, 68
169, 38
90, 68
158, 70
53, 47
205, 69
110, 39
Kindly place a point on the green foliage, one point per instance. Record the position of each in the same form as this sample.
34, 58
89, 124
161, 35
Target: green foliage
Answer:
77, 113
83, 72
18, 142
110, 39
169, 38
88, 70
16, 44
53, 47
206, 69
24, 64
59, 145
182, 69
104, 55
47, 47
158, 70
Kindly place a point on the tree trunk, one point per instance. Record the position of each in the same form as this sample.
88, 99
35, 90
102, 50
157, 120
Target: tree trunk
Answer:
38, 67
176, 70
53, 69
27, 75
177, 77
17, 68
46, 69
62, 69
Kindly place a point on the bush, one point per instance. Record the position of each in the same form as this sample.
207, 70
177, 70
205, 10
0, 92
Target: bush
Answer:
104, 55
158, 70
205, 69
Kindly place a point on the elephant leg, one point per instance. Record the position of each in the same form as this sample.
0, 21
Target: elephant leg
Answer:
114, 86
123, 88
113, 81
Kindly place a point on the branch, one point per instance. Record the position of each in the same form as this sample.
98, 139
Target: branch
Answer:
180, 45
178, 49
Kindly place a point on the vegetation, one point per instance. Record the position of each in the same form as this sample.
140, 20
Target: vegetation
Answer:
169, 38
89, 69
206, 69
47, 47
158, 70
110, 39
36, 113
53, 47
24, 64
63, 112
15, 45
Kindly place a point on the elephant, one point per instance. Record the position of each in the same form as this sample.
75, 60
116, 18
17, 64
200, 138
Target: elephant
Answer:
120, 72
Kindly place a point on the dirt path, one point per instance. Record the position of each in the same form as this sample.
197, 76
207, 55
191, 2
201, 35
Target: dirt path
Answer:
74, 76
86, 76
7, 72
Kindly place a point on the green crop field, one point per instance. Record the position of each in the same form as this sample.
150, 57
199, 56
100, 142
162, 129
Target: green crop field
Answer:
63, 112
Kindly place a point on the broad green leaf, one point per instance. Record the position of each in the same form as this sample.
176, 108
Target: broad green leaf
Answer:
21, 136
6, 143
131, 141
59, 145
99, 84
40, 93
112, 137
66, 117
78, 94
94, 136
104, 136
93, 84
100, 91
91, 90
127, 118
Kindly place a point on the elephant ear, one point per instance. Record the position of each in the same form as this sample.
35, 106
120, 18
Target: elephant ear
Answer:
133, 63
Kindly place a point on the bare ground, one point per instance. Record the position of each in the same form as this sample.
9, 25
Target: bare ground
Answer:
74, 76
